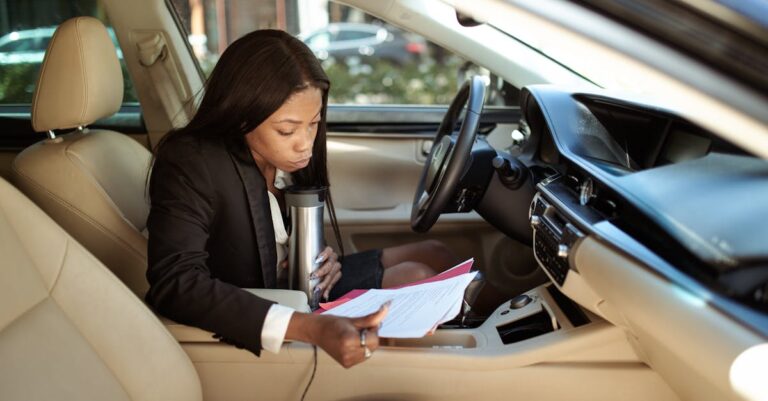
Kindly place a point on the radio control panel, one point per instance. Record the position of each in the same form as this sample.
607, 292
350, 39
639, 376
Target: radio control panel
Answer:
554, 236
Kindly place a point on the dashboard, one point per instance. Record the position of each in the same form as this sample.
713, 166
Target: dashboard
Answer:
652, 185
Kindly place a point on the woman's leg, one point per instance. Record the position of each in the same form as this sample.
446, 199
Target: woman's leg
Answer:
413, 262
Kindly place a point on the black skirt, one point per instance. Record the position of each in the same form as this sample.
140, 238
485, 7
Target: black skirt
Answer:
359, 271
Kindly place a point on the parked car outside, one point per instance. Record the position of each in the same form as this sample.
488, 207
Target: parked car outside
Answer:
346, 39
21, 56
28, 45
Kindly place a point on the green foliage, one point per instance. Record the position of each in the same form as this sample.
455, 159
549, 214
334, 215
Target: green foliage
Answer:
129, 92
372, 80
367, 80
17, 83
354, 80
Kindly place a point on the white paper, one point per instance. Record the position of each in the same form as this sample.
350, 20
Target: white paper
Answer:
415, 310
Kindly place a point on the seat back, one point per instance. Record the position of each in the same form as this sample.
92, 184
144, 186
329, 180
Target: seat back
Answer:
69, 330
91, 182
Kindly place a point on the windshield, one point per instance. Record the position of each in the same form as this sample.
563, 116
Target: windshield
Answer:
590, 66
725, 35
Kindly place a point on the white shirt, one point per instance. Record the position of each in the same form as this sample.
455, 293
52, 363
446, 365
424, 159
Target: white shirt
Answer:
278, 316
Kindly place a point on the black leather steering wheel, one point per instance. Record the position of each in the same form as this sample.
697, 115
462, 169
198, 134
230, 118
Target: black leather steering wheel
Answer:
448, 159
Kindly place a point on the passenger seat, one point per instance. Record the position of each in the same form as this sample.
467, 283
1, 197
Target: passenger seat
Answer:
91, 182
69, 330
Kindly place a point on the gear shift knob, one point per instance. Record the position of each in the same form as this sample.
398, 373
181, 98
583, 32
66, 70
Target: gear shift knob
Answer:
470, 295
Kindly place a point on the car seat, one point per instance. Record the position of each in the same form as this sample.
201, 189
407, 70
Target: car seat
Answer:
91, 182
69, 329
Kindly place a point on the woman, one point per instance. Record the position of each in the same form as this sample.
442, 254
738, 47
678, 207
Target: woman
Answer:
216, 208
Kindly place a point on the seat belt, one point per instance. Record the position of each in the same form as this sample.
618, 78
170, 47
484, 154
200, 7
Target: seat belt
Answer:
173, 94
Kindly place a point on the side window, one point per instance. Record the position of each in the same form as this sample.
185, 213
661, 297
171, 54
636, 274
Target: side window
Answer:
25, 31
367, 60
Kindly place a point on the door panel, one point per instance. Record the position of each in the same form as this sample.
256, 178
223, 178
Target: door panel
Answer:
372, 173
373, 180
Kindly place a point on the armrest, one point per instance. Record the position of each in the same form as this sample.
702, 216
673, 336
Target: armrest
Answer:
293, 299
290, 298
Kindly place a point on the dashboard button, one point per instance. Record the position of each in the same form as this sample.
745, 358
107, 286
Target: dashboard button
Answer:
535, 220
519, 301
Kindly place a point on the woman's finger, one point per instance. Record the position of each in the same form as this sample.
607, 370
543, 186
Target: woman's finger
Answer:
372, 338
325, 268
374, 319
328, 277
334, 280
324, 255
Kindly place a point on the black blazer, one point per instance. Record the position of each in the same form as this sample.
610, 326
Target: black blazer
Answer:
210, 234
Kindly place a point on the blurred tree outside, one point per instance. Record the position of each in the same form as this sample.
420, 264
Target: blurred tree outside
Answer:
17, 83
369, 80
20, 65
403, 69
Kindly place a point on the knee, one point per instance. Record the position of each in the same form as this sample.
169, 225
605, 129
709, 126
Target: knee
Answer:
420, 271
435, 247
440, 255
406, 273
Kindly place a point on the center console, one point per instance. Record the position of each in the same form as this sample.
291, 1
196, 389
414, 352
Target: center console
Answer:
537, 337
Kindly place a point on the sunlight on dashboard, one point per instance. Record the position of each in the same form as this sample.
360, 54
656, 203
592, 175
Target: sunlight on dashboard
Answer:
690, 298
748, 373
341, 147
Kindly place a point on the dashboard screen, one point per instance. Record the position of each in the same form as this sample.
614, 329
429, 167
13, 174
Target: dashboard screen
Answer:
681, 146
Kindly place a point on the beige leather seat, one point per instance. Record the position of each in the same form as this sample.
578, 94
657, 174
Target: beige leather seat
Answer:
92, 182
69, 330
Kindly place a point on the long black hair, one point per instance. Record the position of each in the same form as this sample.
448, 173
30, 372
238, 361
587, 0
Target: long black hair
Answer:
255, 75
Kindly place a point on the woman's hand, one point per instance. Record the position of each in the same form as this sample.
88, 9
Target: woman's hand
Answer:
340, 337
329, 272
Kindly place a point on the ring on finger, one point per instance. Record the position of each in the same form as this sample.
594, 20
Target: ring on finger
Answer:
367, 352
362, 340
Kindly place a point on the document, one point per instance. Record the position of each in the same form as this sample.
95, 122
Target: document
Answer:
415, 310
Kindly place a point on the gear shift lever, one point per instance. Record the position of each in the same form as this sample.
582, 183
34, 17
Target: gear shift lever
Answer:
470, 295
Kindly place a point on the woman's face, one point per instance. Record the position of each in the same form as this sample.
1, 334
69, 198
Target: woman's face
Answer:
285, 139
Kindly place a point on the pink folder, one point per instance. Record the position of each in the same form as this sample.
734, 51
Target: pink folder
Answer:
459, 269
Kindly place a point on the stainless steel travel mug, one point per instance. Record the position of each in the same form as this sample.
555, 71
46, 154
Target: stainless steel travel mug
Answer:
306, 239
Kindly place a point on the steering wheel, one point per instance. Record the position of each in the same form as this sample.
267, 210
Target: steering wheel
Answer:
449, 156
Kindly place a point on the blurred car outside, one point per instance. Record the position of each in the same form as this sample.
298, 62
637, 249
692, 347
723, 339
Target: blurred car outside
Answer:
29, 45
21, 57
25, 46
346, 39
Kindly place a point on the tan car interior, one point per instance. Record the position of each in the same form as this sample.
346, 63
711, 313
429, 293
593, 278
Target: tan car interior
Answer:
90, 181
634, 340
107, 344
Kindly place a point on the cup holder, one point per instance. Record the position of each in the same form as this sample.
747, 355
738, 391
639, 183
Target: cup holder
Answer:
525, 328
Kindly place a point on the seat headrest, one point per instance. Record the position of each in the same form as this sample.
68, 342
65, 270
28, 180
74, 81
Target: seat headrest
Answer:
80, 80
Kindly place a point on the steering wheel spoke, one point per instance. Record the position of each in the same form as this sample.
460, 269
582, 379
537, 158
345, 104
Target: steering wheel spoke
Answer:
423, 199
